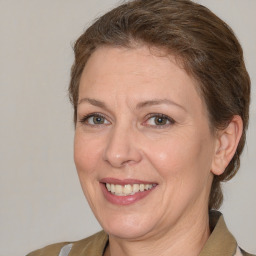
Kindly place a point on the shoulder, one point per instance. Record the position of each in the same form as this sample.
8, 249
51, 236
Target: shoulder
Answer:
50, 250
95, 243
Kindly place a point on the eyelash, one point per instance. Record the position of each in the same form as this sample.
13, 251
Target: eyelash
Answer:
84, 120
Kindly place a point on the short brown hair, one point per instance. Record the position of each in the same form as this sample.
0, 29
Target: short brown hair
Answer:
205, 45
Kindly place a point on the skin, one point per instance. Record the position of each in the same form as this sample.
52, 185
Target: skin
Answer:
180, 156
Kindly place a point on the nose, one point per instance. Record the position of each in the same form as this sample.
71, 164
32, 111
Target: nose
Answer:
122, 147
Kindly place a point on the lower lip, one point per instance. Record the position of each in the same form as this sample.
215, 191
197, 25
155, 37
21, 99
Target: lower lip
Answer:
124, 200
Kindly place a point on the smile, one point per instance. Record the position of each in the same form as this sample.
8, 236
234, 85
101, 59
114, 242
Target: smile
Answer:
128, 189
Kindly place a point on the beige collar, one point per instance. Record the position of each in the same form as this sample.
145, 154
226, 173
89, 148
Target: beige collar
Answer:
221, 242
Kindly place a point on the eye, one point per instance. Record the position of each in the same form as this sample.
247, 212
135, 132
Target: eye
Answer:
159, 120
94, 119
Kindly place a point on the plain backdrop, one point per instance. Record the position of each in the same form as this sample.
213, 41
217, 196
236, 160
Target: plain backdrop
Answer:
41, 198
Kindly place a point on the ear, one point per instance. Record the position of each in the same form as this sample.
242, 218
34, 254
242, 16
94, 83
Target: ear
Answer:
226, 144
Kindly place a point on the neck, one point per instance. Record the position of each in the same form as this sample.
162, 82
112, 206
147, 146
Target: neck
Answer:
181, 240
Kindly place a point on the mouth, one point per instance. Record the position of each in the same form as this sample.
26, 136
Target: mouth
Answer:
128, 189
126, 192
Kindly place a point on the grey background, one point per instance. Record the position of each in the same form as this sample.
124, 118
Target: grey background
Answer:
41, 199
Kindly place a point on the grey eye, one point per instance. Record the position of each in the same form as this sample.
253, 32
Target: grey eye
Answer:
96, 120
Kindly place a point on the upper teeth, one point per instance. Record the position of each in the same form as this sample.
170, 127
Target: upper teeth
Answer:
128, 189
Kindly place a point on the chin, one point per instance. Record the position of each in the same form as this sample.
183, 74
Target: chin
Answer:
127, 227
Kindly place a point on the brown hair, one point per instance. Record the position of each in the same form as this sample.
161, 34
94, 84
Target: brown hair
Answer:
205, 45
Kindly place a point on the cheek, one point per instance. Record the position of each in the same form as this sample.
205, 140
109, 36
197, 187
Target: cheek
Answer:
86, 154
86, 157
169, 156
180, 157
183, 166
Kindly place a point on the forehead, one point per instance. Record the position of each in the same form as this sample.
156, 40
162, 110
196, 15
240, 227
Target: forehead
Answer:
139, 73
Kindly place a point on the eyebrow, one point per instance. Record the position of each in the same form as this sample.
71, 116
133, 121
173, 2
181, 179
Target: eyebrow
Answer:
140, 105
157, 102
93, 102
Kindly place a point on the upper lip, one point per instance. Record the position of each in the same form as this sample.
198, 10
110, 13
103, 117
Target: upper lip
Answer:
125, 181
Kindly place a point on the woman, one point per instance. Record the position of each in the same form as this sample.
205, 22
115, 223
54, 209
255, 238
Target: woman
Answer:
161, 101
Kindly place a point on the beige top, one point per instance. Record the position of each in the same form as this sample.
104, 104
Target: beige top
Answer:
220, 243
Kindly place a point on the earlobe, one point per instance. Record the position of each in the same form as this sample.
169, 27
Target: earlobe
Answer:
226, 144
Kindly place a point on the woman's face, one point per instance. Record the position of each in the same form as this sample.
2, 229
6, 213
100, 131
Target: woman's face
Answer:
142, 133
